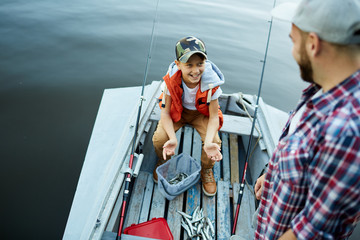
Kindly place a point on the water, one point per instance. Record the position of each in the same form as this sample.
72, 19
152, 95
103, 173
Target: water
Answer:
56, 59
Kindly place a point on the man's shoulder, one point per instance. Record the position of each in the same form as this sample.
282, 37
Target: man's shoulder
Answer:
345, 118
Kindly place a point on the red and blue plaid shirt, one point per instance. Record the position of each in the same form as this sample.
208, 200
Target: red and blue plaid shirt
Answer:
313, 180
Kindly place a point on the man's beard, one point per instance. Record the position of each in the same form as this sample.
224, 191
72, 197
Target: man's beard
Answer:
306, 69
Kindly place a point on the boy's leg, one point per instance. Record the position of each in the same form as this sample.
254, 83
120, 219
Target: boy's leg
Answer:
207, 177
159, 139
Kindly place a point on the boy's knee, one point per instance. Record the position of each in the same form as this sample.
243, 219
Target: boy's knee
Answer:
159, 138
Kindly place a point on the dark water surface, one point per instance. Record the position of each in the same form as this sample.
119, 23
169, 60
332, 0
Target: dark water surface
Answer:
57, 57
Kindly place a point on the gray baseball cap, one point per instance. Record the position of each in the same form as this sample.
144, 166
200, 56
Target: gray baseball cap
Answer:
335, 21
187, 46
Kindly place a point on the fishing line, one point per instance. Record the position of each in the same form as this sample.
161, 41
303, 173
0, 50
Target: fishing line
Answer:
252, 128
128, 176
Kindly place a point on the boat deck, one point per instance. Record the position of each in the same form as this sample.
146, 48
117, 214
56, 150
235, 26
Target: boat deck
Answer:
99, 194
147, 202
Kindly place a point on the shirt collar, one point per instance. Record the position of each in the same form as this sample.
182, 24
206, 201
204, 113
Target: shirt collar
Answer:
327, 101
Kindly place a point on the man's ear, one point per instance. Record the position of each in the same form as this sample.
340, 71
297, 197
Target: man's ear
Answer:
313, 44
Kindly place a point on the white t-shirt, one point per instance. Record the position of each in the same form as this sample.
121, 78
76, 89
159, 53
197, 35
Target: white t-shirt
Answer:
189, 96
296, 119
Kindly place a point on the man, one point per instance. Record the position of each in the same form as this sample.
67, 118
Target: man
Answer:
311, 189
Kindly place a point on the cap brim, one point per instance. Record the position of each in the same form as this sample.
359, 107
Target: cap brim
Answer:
285, 11
186, 56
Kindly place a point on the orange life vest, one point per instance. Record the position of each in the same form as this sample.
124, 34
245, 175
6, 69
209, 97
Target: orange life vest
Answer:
173, 84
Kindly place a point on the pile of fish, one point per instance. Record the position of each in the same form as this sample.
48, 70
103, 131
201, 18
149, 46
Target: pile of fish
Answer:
197, 225
178, 178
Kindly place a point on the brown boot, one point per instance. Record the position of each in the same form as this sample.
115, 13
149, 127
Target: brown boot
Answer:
208, 182
159, 163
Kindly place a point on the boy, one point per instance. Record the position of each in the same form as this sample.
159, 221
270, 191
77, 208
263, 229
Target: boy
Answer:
191, 97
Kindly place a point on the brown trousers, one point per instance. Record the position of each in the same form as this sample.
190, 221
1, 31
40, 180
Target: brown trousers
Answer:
196, 120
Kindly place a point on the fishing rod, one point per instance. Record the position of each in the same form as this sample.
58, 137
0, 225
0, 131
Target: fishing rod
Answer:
242, 185
128, 176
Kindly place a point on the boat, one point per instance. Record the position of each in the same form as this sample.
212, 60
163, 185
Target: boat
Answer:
97, 201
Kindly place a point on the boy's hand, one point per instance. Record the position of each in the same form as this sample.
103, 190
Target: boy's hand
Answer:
169, 148
259, 186
213, 151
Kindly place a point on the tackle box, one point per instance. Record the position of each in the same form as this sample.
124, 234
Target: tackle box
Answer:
156, 228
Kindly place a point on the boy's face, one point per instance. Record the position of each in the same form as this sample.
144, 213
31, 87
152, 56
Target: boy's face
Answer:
192, 70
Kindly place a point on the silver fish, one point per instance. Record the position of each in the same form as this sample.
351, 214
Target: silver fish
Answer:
178, 178
203, 235
186, 228
185, 215
197, 226
211, 226
190, 226
195, 212
206, 232
197, 220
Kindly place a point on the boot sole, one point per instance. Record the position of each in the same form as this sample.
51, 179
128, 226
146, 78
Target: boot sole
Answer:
155, 181
208, 194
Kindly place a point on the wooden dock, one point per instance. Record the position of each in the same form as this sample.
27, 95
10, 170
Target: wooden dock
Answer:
147, 202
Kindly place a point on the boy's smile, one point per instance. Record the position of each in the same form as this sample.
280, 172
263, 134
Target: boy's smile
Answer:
192, 70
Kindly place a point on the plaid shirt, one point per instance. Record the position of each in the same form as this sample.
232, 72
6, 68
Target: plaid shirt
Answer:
313, 180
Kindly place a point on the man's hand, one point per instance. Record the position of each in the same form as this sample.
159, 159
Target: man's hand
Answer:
169, 148
288, 235
259, 186
213, 151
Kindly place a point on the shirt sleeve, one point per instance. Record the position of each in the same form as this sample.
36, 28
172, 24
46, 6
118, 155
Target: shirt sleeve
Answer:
333, 200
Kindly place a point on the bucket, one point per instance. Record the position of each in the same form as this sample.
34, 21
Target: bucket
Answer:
182, 163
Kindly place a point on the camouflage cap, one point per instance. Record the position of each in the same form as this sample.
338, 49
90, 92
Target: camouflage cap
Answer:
187, 46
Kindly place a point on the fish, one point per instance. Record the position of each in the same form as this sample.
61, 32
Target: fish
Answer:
197, 225
178, 178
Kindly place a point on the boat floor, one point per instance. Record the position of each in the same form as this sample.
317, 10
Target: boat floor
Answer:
147, 202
